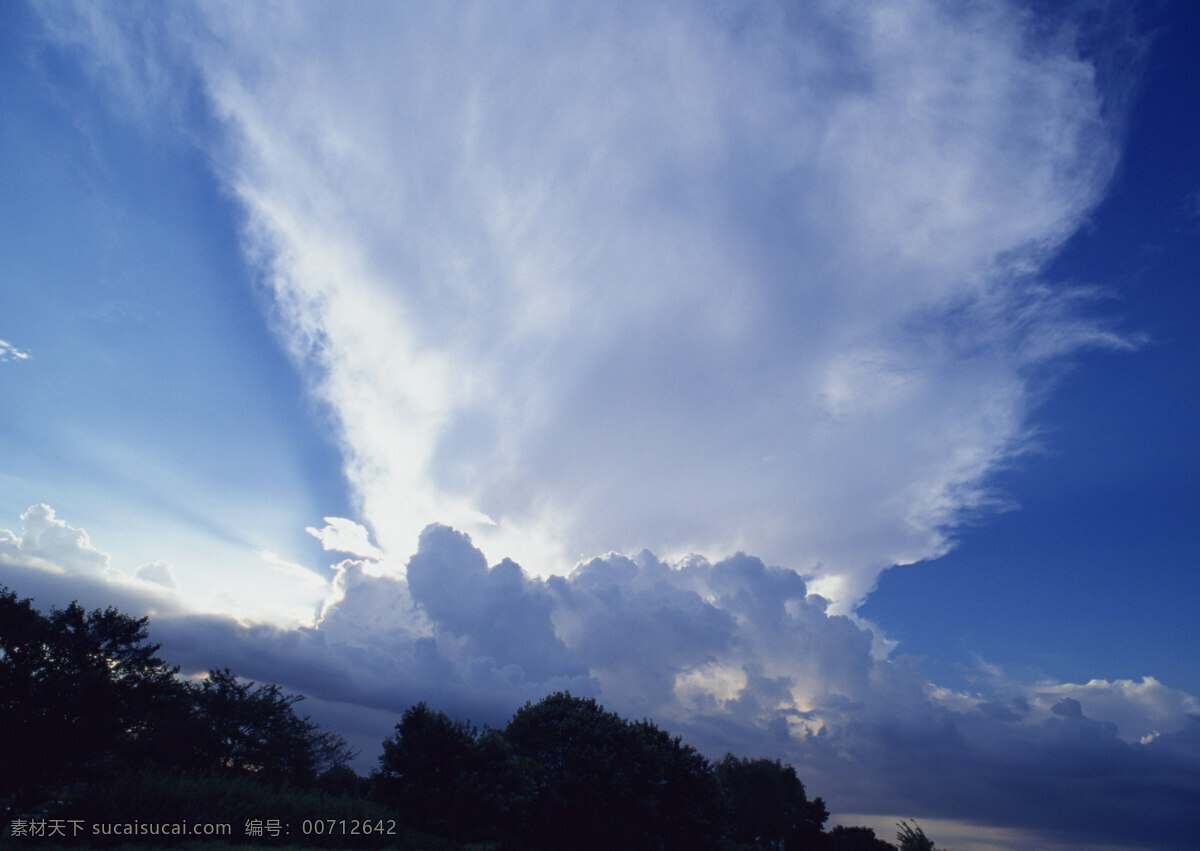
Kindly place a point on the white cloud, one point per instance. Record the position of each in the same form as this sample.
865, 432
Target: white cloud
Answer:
9, 352
50, 544
1140, 710
159, 572
585, 278
56, 563
368, 609
294, 572
734, 655
589, 278
345, 536
50, 553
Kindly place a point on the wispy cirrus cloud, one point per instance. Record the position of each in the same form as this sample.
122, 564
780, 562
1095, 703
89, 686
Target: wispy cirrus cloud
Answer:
9, 352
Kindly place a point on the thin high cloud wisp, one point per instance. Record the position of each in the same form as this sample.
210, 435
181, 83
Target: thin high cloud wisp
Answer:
586, 279
9, 352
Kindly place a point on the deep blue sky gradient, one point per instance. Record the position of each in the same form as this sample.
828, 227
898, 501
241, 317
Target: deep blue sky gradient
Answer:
1098, 569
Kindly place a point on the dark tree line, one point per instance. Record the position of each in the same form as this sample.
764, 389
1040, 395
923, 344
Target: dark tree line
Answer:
565, 773
84, 695
89, 712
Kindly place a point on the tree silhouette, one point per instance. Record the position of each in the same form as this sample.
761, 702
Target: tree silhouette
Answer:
843, 838
912, 838
680, 782
84, 696
78, 690
598, 781
765, 804
242, 728
578, 760
428, 770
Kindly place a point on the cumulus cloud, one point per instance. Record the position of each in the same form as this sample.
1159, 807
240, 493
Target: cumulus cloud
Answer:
159, 572
9, 352
734, 655
56, 563
1139, 710
737, 655
591, 278
50, 544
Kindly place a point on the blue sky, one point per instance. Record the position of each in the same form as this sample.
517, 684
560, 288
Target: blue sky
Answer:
694, 317
1111, 502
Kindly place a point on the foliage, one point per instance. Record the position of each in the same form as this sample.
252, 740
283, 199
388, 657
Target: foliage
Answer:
586, 764
84, 695
342, 780
912, 838
77, 690
152, 794
843, 838
765, 804
684, 792
578, 758
90, 712
242, 728
432, 769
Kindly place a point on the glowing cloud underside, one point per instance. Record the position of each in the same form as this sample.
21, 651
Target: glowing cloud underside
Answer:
732, 655
584, 278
